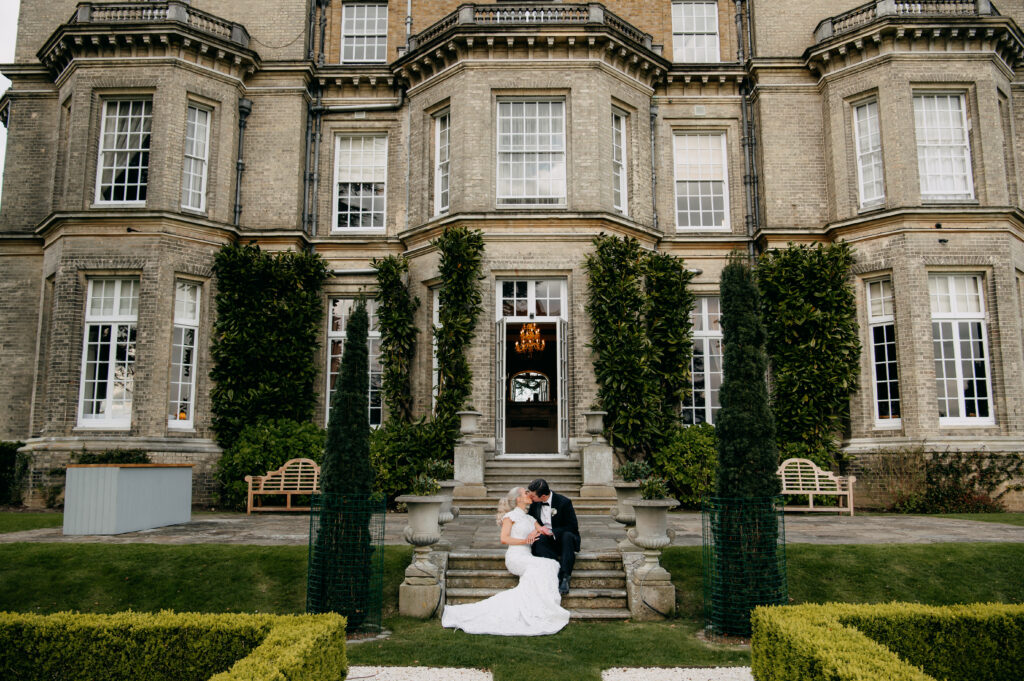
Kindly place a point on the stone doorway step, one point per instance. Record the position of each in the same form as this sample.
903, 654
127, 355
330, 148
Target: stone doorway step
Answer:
563, 475
597, 590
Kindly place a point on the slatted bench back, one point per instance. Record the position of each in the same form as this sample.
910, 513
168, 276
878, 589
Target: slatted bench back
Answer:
296, 474
802, 475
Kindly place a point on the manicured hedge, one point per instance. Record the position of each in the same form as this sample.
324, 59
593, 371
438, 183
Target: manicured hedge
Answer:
843, 642
172, 646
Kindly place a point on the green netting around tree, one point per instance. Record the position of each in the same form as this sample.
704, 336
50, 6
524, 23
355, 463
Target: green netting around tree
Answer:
346, 558
744, 561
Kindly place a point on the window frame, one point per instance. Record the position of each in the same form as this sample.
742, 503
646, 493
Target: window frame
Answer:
620, 167
955, 317
346, 37
872, 158
204, 160
335, 212
964, 148
705, 334
726, 217
442, 162
510, 200
679, 34
98, 199
115, 320
373, 338
883, 320
184, 323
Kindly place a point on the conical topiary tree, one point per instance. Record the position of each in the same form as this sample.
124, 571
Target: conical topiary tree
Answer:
341, 556
744, 548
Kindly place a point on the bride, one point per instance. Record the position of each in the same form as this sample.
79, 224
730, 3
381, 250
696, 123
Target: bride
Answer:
534, 607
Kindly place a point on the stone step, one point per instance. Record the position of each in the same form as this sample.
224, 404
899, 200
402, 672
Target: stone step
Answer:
576, 599
533, 464
494, 559
503, 579
559, 483
588, 506
599, 614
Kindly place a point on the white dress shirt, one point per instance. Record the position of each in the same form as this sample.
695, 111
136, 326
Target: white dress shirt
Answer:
545, 513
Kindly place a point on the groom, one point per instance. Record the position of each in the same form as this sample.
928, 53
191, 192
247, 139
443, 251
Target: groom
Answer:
560, 538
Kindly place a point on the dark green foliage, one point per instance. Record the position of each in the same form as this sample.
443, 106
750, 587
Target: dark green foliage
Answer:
13, 469
113, 456
265, 338
964, 482
401, 452
341, 553
620, 345
654, 487
639, 306
346, 468
261, 447
459, 305
166, 645
810, 317
688, 460
747, 457
396, 310
631, 471
670, 332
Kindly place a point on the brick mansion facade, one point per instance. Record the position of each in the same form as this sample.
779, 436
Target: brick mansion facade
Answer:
143, 136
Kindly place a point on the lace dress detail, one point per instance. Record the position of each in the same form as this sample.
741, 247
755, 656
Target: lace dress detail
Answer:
533, 608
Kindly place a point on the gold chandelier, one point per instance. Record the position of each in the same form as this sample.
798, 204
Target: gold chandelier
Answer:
529, 339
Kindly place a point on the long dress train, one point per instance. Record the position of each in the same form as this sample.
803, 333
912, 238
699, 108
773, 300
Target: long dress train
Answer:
533, 608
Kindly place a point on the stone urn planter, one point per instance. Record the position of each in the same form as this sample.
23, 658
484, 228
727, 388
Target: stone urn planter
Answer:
625, 494
649, 588
448, 512
652, 532
595, 422
468, 421
421, 590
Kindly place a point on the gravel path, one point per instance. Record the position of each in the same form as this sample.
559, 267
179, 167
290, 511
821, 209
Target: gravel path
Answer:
616, 674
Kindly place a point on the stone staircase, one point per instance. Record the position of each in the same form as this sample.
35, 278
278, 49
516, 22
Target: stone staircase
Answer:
597, 590
563, 475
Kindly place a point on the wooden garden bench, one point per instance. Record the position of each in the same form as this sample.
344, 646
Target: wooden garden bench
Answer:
801, 476
296, 476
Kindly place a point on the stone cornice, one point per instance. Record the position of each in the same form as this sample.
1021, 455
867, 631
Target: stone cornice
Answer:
931, 35
156, 29
566, 32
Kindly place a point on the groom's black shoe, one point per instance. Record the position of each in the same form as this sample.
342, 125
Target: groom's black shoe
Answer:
563, 586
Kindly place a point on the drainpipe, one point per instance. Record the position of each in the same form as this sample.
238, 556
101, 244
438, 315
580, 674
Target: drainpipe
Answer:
311, 53
244, 109
324, 4
408, 21
749, 140
654, 168
318, 114
306, 170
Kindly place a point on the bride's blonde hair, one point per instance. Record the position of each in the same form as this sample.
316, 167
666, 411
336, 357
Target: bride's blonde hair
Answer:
508, 502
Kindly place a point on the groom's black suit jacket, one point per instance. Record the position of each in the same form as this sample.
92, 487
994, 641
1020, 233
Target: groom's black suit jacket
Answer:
563, 518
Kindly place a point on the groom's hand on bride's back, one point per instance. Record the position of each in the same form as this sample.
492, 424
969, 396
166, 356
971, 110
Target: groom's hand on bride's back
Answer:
547, 531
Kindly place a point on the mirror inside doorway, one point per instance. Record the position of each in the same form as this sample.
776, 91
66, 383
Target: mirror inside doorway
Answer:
531, 399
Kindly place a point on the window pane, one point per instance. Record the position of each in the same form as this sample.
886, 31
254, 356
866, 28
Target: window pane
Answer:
364, 32
695, 32
531, 157
700, 180
943, 147
360, 172
123, 166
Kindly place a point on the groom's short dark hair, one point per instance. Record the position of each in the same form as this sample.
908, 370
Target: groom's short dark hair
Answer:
540, 487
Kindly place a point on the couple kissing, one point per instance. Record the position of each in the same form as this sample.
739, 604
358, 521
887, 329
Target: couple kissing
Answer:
542, 534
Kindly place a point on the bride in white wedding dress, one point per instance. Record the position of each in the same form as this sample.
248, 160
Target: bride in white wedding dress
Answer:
533, 608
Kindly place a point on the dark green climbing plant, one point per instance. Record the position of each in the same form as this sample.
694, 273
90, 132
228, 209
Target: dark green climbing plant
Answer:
459, 306
810, 316
266, 337
396, 317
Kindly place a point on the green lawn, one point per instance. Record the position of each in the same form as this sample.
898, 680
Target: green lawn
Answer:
1005, 518
224, 578
16, 521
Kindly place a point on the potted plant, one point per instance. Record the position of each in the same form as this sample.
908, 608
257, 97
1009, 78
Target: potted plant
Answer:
627, 489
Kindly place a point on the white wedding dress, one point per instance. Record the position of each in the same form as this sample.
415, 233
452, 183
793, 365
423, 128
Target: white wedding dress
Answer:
531, 609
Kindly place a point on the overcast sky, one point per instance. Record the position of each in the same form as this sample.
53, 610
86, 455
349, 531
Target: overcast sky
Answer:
8, 28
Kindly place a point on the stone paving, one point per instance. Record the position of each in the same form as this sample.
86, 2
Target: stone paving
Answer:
598, 532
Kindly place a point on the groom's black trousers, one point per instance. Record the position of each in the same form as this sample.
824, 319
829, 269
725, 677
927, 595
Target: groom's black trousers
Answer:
562, 551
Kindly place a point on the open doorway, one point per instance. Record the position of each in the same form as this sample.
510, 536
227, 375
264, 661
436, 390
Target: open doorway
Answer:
531, 394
